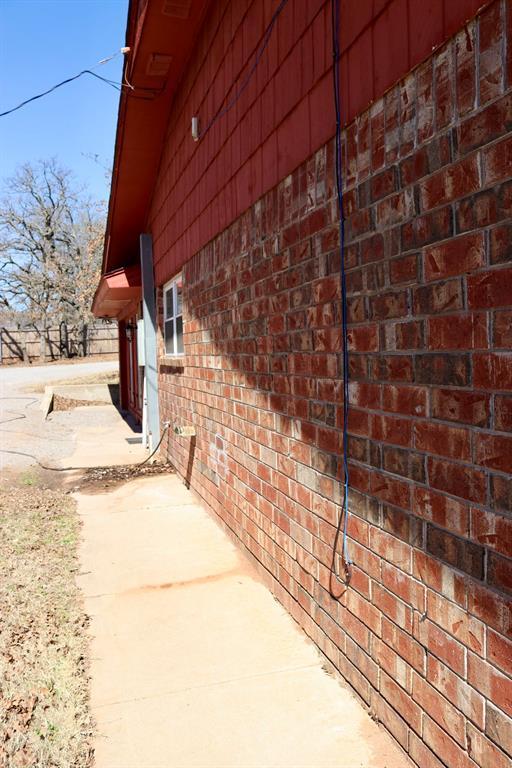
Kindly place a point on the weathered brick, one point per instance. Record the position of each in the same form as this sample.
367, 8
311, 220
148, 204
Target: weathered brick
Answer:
454, 257
441, 297
384, 183
441, 710
392, 663
458, 332
450, 183
404, 586
492, 608
490, 68
459, 480
442, 369
401, 461
415, 167
422, 756
465, 45
477, 211
395, 208
491, 683
499, 651
391, 490
499, 572
404, 269
402, 335
442, 440
427, 229
444, 93
501, 244
503, 413
445, 747
485, 126
461, 406
401, 701
457, 552
392, 368
494, 451
465, 698
405, 400
497, 161
372, 249
456, 621
490, 289
389, 305
395, 724
441, 510
492, 530
440, 644
498, 727
492, 371
403, 644
483, 751
390, 429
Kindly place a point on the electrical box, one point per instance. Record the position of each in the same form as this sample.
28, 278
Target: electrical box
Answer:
141, 358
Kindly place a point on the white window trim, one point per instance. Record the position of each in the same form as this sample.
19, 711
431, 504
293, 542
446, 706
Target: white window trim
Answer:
172, 285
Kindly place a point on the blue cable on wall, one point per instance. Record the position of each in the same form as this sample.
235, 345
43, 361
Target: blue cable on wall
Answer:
341, 529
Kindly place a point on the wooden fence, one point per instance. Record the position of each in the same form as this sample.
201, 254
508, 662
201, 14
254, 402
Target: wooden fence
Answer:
27, 345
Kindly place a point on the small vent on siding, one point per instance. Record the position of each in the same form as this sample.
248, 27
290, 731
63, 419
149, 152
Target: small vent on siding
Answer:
158, 64
179, 9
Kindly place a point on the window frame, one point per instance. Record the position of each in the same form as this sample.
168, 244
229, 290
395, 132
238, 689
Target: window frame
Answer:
172, 285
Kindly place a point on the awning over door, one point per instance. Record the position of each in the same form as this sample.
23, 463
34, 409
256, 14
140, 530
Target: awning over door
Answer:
116, 290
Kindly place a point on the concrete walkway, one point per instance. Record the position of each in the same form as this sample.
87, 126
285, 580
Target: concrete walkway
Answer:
193, 661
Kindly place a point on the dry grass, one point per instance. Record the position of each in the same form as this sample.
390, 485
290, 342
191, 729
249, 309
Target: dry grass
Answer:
44, 714
35, 361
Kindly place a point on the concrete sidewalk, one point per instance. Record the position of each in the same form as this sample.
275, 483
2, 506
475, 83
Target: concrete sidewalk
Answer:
193, 661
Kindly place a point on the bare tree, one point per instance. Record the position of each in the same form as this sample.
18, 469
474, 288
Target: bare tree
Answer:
51, 239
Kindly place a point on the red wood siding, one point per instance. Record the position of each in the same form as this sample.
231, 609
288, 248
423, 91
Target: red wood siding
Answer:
286, 112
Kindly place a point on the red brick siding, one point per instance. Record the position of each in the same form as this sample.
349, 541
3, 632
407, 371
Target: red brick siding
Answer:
424, 631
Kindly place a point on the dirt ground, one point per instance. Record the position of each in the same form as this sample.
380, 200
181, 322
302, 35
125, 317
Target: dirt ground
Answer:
45, 719
44, 708
61, 403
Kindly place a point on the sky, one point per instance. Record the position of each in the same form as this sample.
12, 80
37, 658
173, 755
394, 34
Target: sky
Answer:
41, 43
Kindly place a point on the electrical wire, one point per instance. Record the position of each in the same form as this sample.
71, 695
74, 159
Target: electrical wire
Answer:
166, 427
18, 417
341, 528
60, 469
245, 82
112, 84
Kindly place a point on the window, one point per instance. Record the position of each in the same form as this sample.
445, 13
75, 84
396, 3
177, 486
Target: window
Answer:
173, 317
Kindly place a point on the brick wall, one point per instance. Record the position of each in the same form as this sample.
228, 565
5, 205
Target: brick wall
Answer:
423, 633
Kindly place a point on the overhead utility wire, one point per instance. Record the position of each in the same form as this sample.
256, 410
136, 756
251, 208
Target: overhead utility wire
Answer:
245, 82
112, 83
59, 85
341, 529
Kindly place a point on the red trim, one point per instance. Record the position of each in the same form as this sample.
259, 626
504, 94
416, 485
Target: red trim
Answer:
123, 366
115, 290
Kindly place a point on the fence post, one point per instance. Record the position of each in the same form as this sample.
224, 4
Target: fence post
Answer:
1, 349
